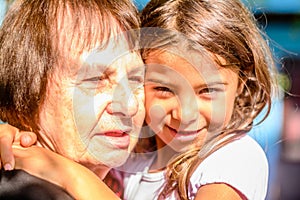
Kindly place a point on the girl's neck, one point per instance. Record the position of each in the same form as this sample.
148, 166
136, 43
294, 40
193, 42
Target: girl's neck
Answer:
164, 155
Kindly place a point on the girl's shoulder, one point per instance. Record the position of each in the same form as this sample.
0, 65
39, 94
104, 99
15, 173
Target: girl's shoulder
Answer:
242, 149
241, 164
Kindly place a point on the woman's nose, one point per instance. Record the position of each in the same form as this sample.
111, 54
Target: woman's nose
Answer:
124, 102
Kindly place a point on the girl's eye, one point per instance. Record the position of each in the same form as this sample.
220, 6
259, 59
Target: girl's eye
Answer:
163, 91
208, 90
209, 93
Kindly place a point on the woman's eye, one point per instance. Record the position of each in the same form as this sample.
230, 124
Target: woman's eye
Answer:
136, 79
94, 79
136, 82
92, 83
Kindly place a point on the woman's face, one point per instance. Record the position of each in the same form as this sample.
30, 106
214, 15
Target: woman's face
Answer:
94, 115
187, 98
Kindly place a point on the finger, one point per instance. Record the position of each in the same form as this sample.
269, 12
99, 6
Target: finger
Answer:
27, 139
19, 153
6, 153
23, 156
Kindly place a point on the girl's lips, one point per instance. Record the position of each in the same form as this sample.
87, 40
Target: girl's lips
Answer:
174, 131
184, 136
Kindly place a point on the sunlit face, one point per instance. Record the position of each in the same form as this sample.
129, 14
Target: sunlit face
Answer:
186, 99
94, 115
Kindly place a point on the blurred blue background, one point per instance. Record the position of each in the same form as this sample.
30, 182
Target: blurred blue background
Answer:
2, 10
279, 134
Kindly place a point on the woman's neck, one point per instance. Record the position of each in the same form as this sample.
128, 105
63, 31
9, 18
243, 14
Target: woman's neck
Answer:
100, 170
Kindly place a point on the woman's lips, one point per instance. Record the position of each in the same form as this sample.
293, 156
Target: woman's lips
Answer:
115, 133
120, 140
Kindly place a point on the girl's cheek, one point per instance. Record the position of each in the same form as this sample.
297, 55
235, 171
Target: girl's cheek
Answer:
155, 116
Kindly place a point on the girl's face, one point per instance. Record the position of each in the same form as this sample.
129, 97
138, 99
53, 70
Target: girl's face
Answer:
186, 99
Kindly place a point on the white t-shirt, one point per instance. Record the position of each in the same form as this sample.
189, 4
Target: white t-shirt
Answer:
241, 164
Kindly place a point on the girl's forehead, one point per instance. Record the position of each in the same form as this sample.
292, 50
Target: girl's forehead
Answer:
191, 61
198, 70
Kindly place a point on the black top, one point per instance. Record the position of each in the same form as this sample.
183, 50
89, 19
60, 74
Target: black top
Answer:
18, 184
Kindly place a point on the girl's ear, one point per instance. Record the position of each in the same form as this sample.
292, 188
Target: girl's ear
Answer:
240, 87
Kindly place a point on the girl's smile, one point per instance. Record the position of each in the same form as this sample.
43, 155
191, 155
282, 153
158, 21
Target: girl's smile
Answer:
186, 99
184, 136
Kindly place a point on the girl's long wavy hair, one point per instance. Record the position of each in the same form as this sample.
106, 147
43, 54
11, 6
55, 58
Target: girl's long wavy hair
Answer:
223, 29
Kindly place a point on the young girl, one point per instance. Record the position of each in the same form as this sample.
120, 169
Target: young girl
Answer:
207, 78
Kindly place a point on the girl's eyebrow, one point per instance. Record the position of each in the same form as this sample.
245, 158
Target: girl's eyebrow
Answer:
160, 81
201, 85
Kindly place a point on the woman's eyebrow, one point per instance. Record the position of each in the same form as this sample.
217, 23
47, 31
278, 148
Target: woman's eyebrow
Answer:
138, 69
94, 66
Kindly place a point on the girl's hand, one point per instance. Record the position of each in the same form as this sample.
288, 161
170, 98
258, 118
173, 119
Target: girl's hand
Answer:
79, 181
8, 136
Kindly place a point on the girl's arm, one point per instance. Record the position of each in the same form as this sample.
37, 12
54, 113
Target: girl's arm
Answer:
79, 181
8, 136
219, 191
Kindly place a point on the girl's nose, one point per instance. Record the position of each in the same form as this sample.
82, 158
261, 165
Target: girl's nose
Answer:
186, 111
